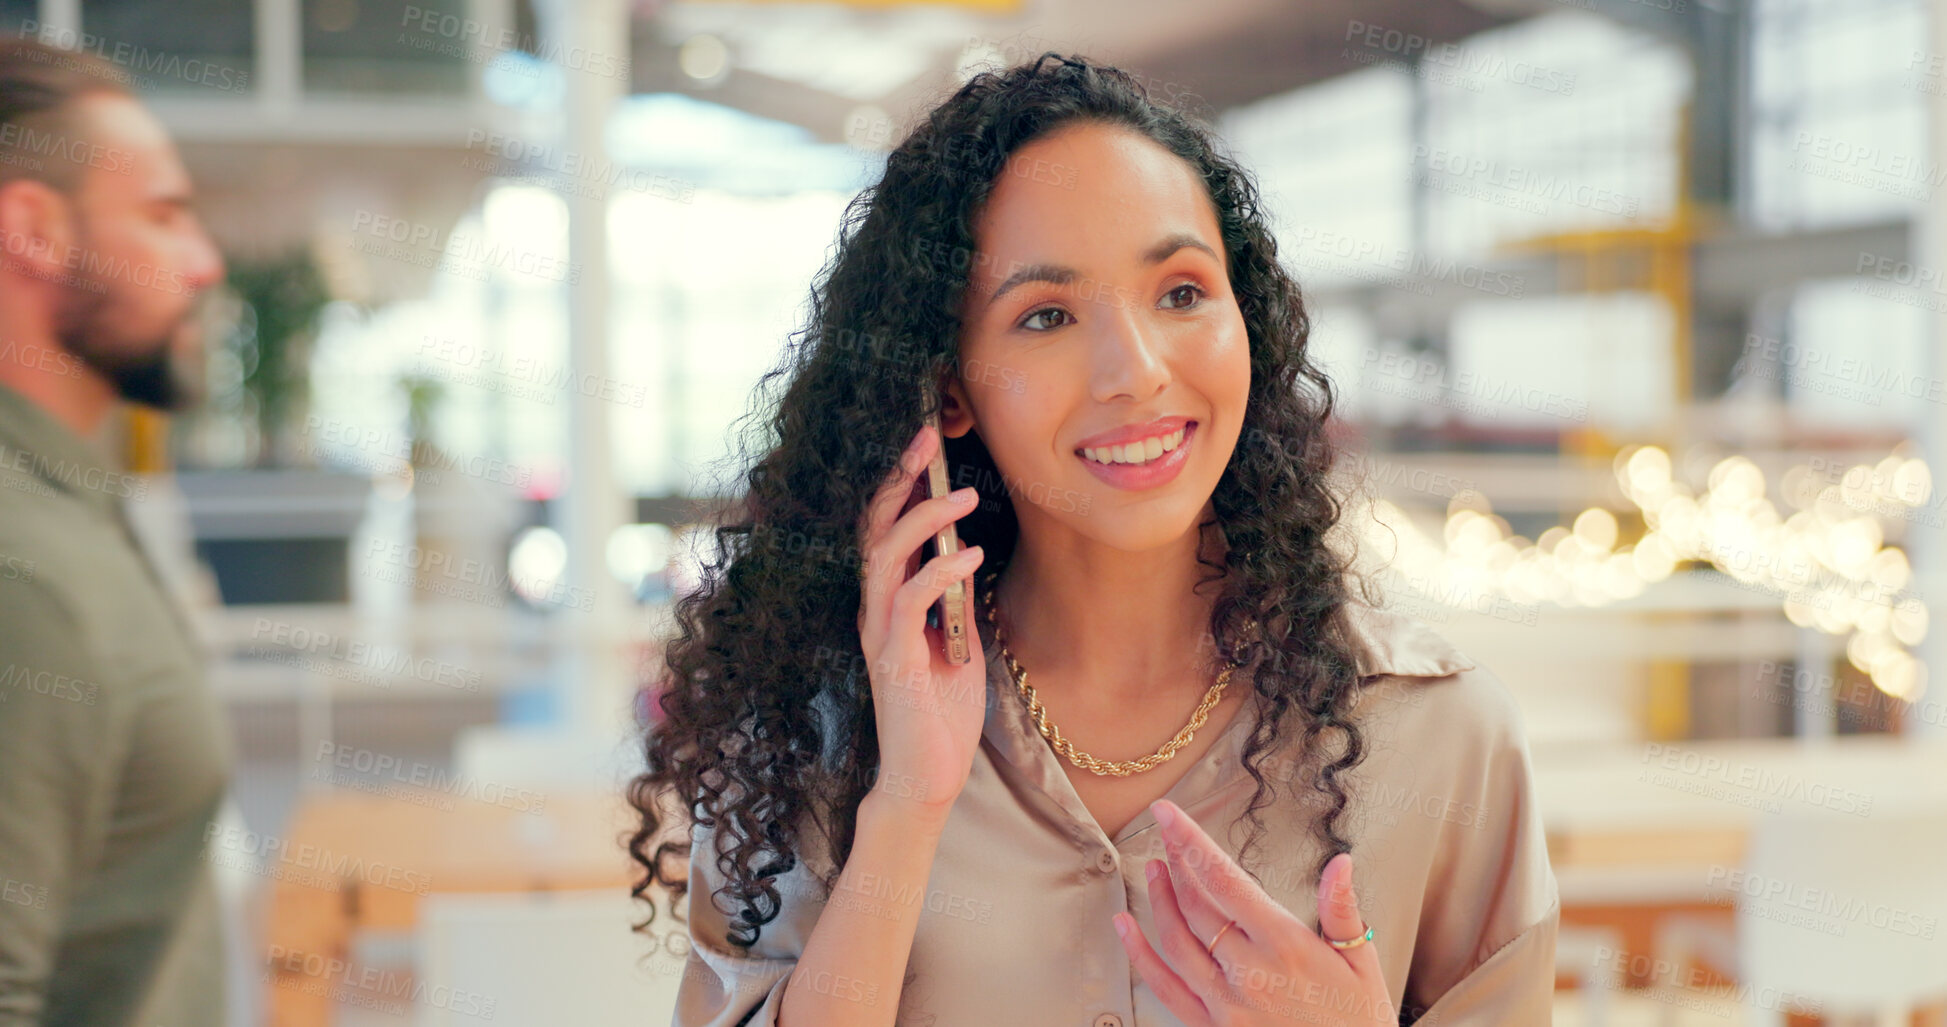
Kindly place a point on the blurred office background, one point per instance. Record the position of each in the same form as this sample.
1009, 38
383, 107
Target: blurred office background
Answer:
1634, 307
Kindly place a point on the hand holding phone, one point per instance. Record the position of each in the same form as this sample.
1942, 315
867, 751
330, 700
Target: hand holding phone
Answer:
929, 694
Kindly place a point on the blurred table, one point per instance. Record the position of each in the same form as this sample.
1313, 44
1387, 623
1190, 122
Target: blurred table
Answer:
1639, 832
1661, 804
1632, 834
352, 861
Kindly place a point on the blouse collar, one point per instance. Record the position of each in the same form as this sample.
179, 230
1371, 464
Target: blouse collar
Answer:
1385, 642
1390, 642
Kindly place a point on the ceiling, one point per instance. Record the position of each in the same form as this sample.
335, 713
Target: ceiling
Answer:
827, 67
856, 73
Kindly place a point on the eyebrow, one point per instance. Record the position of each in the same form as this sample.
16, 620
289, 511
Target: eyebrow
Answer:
1058, 275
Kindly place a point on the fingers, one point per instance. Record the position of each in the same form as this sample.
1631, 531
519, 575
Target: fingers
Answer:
1338, 910
875, 577
888, 559
1169, 988
1199, 908
1229, 889
1185, 948
892, 533
891, 498
1339, 918
910, 603
883, 510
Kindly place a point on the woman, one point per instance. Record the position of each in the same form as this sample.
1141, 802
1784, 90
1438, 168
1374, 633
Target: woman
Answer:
1086, 292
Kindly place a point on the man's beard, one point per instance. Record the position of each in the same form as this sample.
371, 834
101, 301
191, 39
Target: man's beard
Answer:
141, 371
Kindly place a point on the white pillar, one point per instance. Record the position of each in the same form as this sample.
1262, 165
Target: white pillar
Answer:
1928, 547
62, 20
592, 677
279, 52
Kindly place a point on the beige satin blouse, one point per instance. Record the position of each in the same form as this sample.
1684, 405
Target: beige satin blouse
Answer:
1451, 867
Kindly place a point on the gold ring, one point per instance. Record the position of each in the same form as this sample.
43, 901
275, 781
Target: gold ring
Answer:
1211, 948
1350, 944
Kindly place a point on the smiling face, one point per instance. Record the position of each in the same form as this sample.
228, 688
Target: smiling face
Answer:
1098, 328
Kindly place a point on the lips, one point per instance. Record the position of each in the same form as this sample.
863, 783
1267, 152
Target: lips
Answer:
1150, 473
1160, 428
1140, 451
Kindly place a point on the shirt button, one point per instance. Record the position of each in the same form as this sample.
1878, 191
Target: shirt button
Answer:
1108, 1020
1106, 862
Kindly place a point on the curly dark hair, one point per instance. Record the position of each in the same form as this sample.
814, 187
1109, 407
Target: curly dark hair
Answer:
773, 624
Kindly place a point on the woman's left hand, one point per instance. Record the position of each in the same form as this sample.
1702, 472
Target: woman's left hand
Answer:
1270, 968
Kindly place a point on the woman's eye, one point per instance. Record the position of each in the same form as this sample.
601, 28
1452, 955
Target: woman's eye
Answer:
1030, 320
1178, 293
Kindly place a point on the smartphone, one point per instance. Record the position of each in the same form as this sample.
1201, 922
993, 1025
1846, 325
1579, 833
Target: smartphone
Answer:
949, 614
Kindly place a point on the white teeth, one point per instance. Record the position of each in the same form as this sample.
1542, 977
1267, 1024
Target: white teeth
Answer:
1136, 452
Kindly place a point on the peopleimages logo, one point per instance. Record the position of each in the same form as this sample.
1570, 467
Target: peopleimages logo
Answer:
1824, 902
132, 60
22, 680
1465, 65
418, 774
1518, 181
475, 579
74, 475
570, 165
457, 251
458, 33
355, 438
20, 138
1422, 268
1745, 783
88, 269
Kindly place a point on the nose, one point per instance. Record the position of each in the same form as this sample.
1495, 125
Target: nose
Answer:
1130, 358
204, 266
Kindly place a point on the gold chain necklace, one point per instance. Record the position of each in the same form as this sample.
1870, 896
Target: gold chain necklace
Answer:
1099, 767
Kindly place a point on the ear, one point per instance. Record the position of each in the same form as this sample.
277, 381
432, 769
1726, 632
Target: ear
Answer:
37, 225
956, 414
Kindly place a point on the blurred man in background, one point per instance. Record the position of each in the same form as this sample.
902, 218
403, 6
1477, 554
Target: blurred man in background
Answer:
113, 756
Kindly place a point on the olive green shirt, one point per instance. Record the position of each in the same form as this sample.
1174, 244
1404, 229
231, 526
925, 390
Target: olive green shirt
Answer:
114, 757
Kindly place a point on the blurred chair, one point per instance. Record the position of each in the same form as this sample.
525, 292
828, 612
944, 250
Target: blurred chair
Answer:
544, 958
1845, 912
